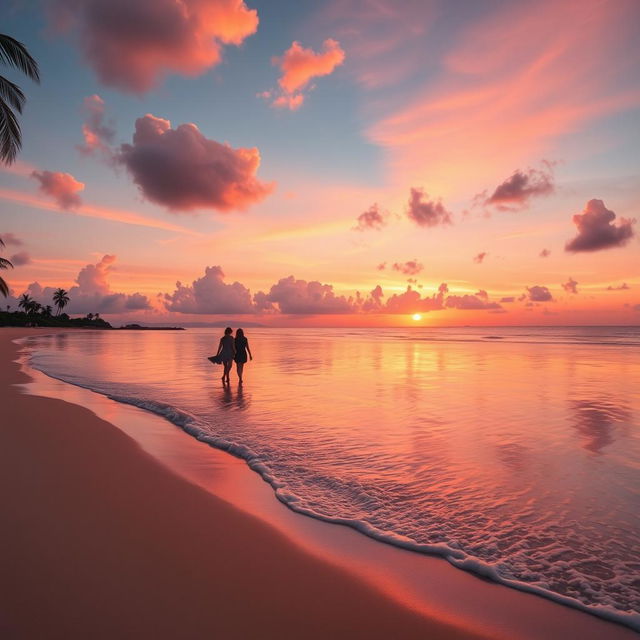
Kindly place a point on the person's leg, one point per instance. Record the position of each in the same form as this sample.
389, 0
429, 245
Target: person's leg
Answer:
240, 367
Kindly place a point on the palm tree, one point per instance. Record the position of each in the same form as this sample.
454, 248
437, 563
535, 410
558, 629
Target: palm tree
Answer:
34, 307
4, 264
46, 311
14, 54
25, 302
60, 299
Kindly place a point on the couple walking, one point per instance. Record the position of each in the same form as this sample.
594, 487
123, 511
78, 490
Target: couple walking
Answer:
230, 349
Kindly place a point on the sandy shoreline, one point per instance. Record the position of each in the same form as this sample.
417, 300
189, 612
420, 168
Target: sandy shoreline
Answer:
102, 541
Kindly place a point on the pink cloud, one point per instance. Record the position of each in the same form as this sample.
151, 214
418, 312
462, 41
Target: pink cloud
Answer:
596, 230
298, 66
539, 293
426, 213
545, 253
409, 268
92, 292
210, 295
20, 259
98, 136
480, 257
183, 170
471, 302
382, 266
301, 297
372, 218
410, 301
516, 191
373, 302
570, 286
132, 45
63, 187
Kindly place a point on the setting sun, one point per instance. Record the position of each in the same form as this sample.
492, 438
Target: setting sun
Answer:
417, 316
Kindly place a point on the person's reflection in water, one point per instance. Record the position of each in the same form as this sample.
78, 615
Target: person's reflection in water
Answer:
230, 401
596, 421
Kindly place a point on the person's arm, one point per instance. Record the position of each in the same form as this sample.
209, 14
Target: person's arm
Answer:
249, 351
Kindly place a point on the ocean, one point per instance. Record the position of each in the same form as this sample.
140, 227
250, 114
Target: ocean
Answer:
514, 453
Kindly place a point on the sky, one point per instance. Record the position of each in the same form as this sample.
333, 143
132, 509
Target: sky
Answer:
337, 163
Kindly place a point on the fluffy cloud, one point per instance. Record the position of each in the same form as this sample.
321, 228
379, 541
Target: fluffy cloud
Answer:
62, 187
622, 287
516, 191
480, 257
302, 297
298, 66
92, 292
372, 218
411, 302
19, 259
382, 266
132, 45
570, 286
426, 213
539, 294
210, 294
98, 136
409, 268
479, 300
545, 253
374, 300
11, 239
182, 170
596, 229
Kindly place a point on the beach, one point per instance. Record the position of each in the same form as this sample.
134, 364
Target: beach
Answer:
101, 540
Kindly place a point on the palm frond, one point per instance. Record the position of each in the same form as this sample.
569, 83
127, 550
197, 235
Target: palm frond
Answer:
11, 93
15, 54
10, 134
1, 242
4, 288
5, 264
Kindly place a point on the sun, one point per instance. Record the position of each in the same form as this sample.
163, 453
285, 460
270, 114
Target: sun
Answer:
417, 316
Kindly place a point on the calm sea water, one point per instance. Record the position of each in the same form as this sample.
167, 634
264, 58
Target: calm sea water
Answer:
514, 453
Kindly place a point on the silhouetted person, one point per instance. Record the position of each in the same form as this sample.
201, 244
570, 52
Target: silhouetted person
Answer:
226, 351
242, 348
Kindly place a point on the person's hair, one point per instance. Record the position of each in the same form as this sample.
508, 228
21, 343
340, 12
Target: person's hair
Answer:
239, 333
227, 331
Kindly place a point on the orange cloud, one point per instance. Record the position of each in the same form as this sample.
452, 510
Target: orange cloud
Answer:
299, 66
62, 187
133, 45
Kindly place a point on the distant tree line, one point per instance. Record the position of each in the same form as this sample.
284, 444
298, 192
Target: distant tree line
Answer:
31, 313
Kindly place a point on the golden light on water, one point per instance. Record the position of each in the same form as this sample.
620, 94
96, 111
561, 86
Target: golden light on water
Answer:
417, 317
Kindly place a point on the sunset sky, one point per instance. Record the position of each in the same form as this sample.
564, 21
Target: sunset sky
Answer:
348, 162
